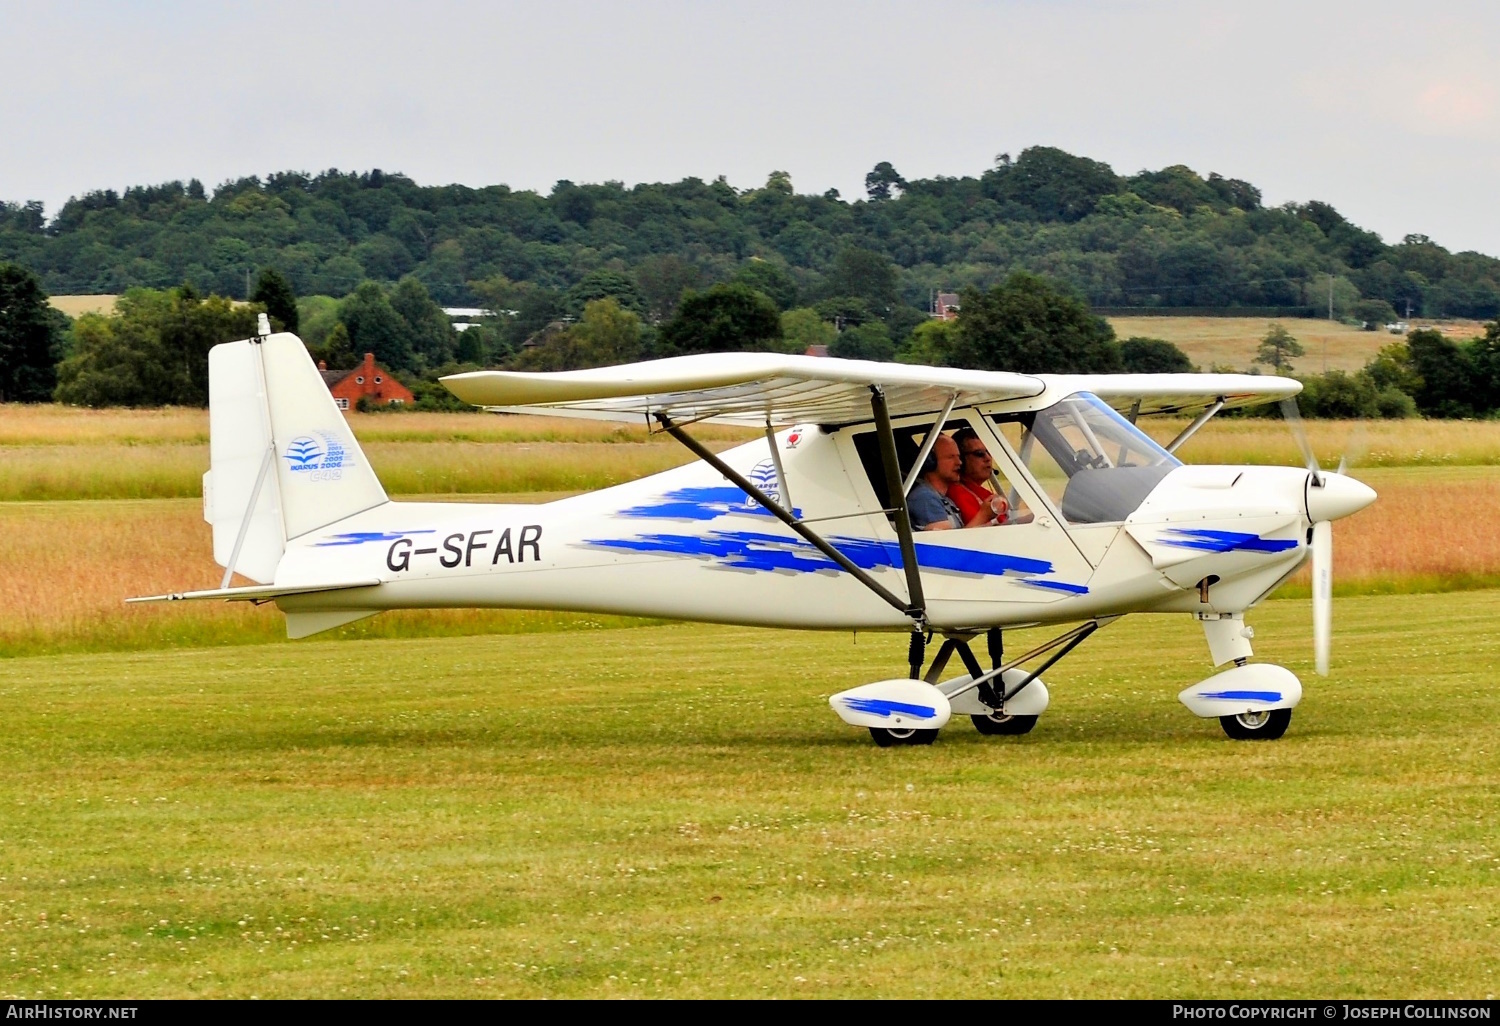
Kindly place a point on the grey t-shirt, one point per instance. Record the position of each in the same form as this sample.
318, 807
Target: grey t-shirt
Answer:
926, 506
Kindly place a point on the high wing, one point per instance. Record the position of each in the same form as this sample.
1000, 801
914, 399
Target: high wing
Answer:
743, 388
1175, 393
753, 388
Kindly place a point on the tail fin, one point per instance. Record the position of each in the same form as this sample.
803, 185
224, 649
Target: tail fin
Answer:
283, 461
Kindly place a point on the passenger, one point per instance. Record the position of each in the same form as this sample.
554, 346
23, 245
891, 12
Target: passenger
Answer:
972, 491
929, 505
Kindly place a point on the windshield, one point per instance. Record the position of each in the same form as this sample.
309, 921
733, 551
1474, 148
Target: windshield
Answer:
1096, 465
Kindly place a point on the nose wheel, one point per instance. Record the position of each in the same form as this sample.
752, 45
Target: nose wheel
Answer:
997, 723
1261, 725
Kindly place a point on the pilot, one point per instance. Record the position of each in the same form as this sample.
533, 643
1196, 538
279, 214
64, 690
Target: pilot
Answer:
929, 503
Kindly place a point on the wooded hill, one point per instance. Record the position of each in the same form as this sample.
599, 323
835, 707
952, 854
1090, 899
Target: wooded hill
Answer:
1167, 238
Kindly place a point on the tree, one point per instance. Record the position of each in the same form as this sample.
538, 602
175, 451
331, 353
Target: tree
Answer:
663, 280
1339, 394
725, 318
772, 279
1278, 349
1052, 184
1142, 355
1372, 313
607, 334
431, 333
930, 344
844, 311
274, 292
375, 327
863, 274
338, 349
1484, 362
152, 352
1028, 325
1391, 368
880, 181
802, 328
30, 337
870, 341
604, 285
1446, 373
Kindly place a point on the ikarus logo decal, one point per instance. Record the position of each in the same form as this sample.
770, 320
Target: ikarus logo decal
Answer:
321, 456
763, 476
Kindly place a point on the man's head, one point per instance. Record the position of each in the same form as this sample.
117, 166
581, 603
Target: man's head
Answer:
946, 463
977, 464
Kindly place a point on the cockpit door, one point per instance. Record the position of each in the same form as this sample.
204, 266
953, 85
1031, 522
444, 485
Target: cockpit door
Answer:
1029, 559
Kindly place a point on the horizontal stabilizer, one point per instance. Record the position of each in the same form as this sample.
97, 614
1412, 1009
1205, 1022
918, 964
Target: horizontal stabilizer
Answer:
257, 593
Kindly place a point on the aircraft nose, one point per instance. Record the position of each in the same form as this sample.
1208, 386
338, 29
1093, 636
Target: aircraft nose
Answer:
1337, 496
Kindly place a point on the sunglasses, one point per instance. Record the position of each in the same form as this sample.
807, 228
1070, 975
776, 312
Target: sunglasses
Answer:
977, 452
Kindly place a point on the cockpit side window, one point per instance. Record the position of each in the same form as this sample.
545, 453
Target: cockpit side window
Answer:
1095, 464
909, 439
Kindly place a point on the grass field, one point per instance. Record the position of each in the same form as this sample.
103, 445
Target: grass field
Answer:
675, 811
1232, 341
77, 306
473, 803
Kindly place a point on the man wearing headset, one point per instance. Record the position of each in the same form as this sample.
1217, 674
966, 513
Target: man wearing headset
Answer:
930, 503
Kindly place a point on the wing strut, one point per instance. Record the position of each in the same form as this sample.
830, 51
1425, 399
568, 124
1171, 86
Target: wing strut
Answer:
1191, 429
893, 484
807, 533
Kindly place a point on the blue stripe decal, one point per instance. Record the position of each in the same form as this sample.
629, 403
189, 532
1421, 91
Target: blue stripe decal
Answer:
751, 550
881, 707
1247, 696
1224, 541
360, 537
1072, 589
700, 504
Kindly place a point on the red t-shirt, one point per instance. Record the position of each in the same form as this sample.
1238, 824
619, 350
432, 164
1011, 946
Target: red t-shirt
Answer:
969, 499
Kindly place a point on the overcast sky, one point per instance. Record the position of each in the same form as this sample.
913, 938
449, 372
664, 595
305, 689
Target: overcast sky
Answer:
1389, 111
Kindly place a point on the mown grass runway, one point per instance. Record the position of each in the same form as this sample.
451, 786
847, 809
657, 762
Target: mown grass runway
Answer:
675, 811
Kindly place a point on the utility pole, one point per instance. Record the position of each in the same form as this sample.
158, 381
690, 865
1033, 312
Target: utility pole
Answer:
1330, 296
247, 289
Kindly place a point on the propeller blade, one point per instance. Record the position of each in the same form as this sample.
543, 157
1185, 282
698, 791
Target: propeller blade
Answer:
1355, 447
1322, 591
1293, 417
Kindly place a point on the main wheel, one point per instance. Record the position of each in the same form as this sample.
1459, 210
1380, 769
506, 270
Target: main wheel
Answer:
889, 737
999, 723
1262, 725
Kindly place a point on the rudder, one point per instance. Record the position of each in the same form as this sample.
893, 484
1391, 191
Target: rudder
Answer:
276, 435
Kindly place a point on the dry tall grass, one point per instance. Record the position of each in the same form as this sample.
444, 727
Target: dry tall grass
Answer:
69, 565
1369, 443
51, 424
1431, 529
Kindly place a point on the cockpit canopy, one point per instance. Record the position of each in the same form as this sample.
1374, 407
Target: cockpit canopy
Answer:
1105, 465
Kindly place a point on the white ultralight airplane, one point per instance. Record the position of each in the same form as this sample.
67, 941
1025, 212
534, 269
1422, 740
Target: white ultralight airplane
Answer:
807, 527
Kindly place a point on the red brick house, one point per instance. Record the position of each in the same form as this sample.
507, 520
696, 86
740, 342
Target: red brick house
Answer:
945, 307
368, 379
